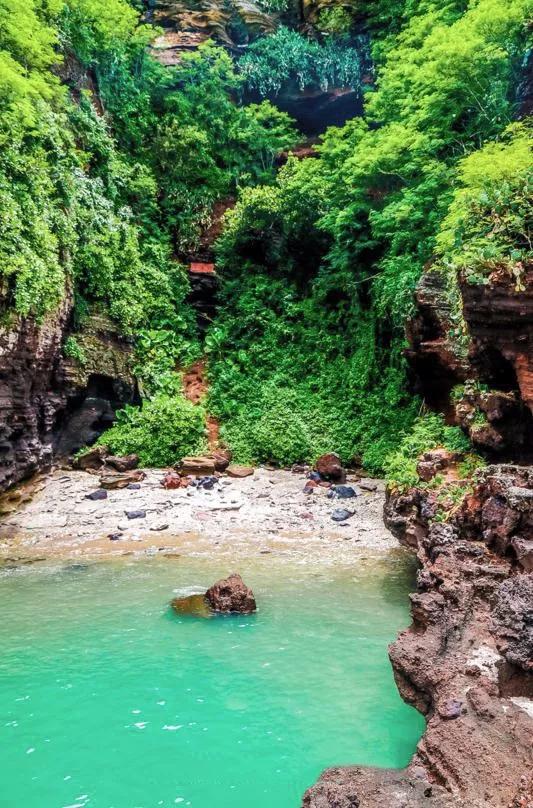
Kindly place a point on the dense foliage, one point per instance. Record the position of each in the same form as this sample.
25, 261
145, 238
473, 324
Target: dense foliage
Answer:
273, 61
162, 431
110, 166
321, 267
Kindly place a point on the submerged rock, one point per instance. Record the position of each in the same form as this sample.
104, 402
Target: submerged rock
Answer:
195, 605
231, 595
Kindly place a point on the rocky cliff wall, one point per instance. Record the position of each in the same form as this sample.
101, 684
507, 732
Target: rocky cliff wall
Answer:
466, 662
49, 404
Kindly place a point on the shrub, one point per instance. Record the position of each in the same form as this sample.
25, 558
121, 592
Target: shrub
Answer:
428, 432
162, 431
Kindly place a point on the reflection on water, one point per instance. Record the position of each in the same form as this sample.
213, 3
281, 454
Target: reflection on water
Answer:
107, 698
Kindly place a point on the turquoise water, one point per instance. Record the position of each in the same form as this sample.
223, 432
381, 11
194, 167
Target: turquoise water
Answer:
109, 700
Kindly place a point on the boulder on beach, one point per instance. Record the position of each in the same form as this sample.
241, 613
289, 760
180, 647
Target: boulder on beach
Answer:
92, 459
231, 595
113, 481
240, 471
123, 462
198, 466
330, 467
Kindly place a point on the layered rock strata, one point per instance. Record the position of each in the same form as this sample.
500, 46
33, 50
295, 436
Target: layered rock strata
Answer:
49, 403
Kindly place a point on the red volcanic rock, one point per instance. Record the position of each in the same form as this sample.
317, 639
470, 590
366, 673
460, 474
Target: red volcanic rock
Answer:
466, 661
329, 467
173, 480
231, 595
434, 462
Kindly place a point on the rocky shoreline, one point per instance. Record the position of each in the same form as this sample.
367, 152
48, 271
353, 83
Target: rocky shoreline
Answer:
466, 662
266, 513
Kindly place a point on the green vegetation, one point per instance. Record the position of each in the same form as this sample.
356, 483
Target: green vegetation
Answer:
162, 431
428, 432
110, 166
321, 266
273, 61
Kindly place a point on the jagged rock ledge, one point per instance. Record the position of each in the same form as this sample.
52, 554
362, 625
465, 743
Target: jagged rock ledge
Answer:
466, 662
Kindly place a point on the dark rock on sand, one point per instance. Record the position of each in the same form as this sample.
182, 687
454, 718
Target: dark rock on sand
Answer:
341, 514
135, 514
100, 493
342, 492
231, 595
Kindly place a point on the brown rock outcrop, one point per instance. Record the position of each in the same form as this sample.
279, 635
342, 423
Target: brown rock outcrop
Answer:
481, 344
49, 404
466, 660
231, 595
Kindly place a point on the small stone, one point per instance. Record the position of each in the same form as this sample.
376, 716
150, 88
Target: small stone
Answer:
100, 493
341, 514
342, 492
314, 476
135, 514
368, 485
450, 709
240, 471
133, 486
114, 536
160, 526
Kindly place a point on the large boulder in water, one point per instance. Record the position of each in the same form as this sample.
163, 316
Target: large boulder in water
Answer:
231, 595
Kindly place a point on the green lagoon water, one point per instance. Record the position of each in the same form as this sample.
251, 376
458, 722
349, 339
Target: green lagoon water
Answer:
109, 700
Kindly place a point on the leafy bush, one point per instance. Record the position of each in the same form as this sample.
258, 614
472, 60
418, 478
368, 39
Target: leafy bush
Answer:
272, 61
162, 431
428, 432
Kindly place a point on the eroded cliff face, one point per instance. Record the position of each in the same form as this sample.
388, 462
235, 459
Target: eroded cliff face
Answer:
51, 405
472, 355
466, 662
